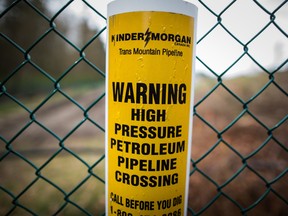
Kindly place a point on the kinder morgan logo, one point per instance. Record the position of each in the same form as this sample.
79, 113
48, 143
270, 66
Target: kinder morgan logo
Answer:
180, 40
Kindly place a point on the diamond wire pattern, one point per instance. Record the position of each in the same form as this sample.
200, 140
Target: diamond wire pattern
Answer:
15, 198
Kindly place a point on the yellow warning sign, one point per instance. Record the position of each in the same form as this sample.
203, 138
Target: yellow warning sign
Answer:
149, 98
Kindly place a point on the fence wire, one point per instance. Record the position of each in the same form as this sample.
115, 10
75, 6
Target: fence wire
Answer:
46, 169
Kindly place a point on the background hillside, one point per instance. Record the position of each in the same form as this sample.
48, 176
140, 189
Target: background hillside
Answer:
244, 156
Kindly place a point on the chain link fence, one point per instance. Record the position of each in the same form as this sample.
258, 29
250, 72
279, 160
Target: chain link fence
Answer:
52, 116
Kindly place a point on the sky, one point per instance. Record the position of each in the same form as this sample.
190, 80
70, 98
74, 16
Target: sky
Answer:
219, 50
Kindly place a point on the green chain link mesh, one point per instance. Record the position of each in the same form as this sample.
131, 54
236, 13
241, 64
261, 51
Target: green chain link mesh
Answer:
52, 138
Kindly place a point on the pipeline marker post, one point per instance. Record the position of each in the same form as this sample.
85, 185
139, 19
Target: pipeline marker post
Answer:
149, 103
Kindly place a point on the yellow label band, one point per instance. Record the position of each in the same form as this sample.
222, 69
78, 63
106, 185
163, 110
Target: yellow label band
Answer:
149, 111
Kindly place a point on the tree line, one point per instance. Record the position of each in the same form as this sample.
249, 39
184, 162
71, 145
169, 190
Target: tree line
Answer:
38, 48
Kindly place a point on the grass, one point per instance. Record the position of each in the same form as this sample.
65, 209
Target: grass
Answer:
48, 174
53, 187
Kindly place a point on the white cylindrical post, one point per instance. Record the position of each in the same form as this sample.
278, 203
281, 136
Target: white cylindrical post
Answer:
149, 102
